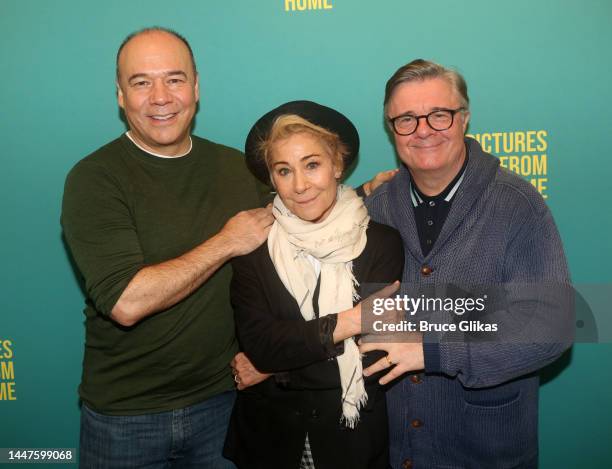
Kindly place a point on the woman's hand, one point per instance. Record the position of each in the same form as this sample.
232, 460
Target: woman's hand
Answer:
403, 355
245, 374
349, 322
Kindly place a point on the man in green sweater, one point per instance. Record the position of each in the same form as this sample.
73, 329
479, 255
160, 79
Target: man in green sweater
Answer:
151, 219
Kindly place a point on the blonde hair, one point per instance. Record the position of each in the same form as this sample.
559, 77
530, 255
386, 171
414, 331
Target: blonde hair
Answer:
286, 125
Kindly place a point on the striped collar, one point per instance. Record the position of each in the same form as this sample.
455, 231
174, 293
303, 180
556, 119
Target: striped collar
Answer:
446, 195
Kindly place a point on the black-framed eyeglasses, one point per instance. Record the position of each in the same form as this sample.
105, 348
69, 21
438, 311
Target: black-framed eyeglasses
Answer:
440, 119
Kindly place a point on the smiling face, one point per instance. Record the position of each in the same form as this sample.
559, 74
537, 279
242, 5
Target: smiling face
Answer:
429, 153
304, 175
158, 90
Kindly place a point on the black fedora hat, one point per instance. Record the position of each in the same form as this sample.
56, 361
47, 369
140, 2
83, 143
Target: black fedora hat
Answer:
315, 113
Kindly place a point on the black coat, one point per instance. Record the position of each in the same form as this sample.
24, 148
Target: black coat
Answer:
270, 420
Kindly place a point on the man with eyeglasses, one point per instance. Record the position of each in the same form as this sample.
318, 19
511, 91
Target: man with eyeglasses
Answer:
459, 402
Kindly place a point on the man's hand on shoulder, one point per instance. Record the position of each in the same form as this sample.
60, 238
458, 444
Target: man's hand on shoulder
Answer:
247, 230
160, 286
378, 180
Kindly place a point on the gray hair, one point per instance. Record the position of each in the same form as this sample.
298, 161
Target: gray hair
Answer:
419, 70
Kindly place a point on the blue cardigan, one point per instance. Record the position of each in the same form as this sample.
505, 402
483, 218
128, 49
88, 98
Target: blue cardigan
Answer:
476, 404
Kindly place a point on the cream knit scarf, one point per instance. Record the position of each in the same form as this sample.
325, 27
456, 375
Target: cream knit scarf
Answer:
334, 242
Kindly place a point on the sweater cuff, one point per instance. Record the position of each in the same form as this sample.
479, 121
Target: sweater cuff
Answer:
327, 325
361, 192
431, 357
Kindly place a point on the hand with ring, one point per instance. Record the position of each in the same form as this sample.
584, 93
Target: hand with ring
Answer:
245, 374
407, 352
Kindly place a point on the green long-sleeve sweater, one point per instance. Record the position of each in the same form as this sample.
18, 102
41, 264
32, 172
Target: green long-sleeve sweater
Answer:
124, 209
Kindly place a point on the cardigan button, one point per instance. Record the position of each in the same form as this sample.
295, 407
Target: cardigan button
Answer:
416, 423
407, 464
416, 379
426, 270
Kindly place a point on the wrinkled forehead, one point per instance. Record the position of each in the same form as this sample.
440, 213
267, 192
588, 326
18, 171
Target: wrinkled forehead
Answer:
298, 139
423, 96
155, 52
298, 145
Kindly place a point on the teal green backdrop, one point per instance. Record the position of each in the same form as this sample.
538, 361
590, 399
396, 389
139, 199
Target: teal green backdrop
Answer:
531, 66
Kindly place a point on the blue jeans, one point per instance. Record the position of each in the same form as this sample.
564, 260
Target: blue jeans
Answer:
192, 437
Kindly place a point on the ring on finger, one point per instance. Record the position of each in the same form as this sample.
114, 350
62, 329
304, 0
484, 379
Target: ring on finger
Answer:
389, 361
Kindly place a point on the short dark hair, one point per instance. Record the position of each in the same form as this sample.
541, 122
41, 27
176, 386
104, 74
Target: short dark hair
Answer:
152, 29
419, 70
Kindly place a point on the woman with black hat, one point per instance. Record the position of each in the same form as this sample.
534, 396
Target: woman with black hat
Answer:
294, 301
